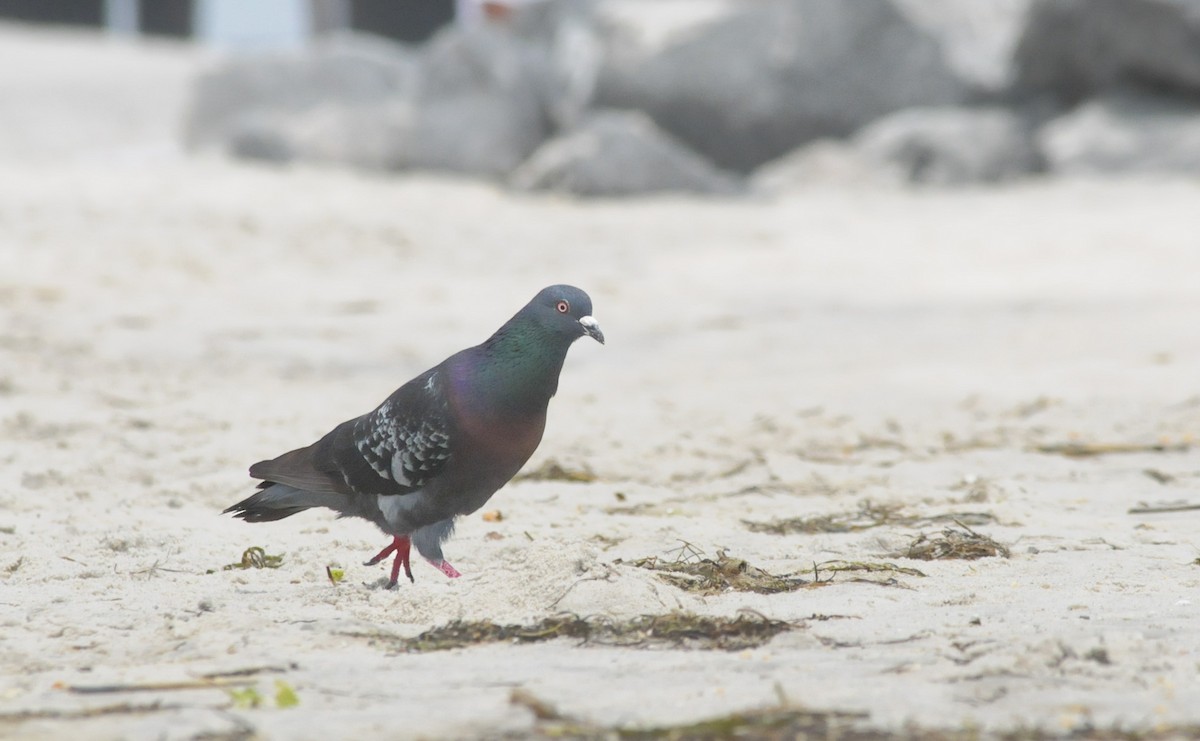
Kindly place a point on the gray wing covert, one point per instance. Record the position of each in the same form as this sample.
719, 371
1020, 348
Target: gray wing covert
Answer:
404, 443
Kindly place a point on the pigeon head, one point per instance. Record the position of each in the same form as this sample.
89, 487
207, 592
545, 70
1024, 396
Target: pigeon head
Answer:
565, 311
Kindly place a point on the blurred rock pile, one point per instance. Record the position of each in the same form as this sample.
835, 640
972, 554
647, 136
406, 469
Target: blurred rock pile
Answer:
619, 97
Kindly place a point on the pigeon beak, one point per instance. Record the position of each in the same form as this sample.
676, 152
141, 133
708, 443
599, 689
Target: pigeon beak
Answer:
592, 328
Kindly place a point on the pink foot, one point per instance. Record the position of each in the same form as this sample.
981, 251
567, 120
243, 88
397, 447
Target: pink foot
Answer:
401, 547
445, 568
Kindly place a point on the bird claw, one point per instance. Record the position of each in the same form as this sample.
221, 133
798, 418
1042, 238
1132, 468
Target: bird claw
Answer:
400, 546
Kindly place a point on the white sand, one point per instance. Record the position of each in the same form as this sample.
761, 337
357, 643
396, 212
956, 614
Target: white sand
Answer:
164, 322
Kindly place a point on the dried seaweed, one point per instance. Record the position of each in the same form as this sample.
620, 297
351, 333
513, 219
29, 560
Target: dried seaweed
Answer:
692, 572
1144, 508
868, 515
962, 543
871, 567
257, 558
125, 708
1087, 450
786, 721
552, 470
687, 552
187, 684
605, 542
652, 509
675, 629
250, 671
712, 576
1161, 477
770, 723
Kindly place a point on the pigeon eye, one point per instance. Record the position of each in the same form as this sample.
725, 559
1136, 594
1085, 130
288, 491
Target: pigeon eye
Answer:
563, 307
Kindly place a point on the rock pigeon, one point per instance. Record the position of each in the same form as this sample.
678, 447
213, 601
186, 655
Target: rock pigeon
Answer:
442, 444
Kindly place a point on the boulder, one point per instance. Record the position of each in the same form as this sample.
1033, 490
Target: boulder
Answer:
950, 146
470, 101
564, 37
260, 136
246, 93
1124, 133
978, 37
619, 153
825, 162
928, 146
370, 137
1073, 48
744, 83
480, 107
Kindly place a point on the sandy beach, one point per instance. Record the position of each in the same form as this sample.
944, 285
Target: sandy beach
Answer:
1019, 363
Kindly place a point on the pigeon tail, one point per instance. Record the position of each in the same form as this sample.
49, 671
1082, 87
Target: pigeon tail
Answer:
274, 501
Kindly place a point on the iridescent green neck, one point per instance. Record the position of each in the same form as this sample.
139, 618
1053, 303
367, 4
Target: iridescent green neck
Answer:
519, 365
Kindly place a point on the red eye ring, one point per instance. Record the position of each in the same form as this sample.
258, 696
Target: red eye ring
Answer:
563, 307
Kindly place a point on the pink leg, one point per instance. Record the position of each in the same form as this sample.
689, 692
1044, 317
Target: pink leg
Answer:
445, 568
384, 553
400, 546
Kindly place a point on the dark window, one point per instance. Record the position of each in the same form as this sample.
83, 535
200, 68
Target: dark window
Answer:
404, 20
166, 17
74, 13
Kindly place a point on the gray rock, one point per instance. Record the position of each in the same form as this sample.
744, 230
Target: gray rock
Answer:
468, 102
564, 37
1123, 133
246, 93
475, 134
260, 137
754, 80
951, 146
929, 146
366, 136
1072, 48
480, 106
825, 162
978, 37
619, 153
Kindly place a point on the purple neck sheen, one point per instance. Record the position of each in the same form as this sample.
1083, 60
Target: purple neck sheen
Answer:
514, 372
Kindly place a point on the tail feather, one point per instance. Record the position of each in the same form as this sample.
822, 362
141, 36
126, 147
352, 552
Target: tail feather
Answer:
299, 469
274, 501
